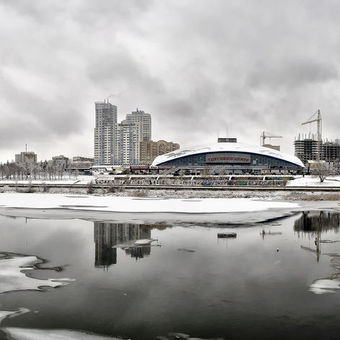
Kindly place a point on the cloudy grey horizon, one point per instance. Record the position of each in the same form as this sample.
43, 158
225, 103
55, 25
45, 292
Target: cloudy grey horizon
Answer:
201, 68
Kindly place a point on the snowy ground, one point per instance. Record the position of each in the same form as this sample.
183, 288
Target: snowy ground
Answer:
299, 181
310, 181
137, 204
144, 210
66, 180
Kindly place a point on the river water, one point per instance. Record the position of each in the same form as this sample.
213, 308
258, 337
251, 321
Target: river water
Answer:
83, 279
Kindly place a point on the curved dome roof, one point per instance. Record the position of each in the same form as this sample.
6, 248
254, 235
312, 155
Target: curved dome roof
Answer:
227, 147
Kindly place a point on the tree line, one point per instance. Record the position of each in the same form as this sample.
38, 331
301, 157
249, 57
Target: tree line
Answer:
34, 171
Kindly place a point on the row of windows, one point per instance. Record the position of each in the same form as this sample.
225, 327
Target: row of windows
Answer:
255, 159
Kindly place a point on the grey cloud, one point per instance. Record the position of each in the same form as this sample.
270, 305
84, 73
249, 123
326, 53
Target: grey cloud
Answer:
292, 74
196, 66
89, 12
31, 117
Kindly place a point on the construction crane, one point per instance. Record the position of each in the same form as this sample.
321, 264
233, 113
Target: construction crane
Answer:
117, 94
106, 100
316, 117
265, 135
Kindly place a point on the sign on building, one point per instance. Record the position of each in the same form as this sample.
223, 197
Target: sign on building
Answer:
216, 158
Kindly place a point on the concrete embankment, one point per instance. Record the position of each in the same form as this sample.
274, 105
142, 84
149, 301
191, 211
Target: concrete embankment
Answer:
175, 191
48, 186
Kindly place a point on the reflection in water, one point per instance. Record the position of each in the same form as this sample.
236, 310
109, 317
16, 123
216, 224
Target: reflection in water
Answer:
317, 221
314, 223
192, 285
109, 236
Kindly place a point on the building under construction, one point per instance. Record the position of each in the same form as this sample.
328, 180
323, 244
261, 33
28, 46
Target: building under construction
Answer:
312, 148
306, 148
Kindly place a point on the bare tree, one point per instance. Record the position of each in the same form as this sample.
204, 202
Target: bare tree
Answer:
322, 170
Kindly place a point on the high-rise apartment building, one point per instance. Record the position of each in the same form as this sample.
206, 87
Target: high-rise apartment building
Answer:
104, 133
119, 143
127, 143
144, 120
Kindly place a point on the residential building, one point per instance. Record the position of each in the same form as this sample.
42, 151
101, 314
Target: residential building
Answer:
104, 133
26, 157
149, 149
127, 143
144, 119
60, 162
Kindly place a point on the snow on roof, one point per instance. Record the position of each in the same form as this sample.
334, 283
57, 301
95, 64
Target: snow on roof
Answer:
227, 147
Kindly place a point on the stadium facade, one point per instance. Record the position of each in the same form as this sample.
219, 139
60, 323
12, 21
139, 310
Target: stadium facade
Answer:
234, 157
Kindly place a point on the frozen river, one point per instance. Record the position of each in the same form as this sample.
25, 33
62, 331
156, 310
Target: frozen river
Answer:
74, 278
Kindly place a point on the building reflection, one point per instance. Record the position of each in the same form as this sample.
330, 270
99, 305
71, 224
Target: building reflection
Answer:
314, 224
110, 236
317, 221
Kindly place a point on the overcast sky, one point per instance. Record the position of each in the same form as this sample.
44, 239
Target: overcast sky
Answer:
201, 68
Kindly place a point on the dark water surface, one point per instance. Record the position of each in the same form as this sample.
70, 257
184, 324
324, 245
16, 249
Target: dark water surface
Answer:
256, 286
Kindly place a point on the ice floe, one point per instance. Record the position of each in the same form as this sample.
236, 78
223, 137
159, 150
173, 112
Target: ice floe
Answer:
324, 286
182, 336
13, 277
42, 334
9, 314
144, 242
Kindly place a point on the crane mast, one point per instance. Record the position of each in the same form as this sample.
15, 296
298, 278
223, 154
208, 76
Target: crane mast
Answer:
316, 117
265, 135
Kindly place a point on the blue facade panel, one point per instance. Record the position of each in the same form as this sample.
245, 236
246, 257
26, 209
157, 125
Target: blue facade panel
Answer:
252, 159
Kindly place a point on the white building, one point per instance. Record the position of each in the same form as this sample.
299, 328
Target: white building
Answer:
119, 143
104, 133
127, 143
144, 119
232, 158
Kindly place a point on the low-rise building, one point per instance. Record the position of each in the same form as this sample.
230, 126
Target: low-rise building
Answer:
149, 149
26, 157
60, 161
81, 164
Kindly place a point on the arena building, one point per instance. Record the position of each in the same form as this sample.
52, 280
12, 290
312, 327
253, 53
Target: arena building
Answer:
231, 157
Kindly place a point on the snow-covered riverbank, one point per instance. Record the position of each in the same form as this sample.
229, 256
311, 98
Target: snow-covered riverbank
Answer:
137, 204
144, 210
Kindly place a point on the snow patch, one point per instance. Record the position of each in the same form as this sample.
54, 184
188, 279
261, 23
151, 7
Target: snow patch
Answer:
41, 334
131, 205
324, 286
13, 278
311, 181
10, 314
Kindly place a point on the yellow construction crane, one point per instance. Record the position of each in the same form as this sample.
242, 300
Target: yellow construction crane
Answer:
316, 117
